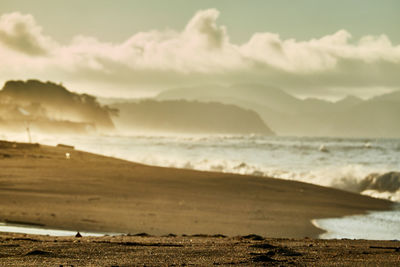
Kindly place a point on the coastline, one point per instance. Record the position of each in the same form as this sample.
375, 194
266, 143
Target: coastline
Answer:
90, 192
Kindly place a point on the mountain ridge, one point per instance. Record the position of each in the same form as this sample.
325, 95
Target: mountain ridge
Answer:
289, 115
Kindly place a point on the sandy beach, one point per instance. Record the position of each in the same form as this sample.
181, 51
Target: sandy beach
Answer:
24, 250
39, 185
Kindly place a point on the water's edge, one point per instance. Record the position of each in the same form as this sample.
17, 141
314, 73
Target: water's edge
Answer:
35, 230
375, 225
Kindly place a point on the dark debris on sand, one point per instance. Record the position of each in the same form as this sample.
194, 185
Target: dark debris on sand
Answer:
197, 250
38, 252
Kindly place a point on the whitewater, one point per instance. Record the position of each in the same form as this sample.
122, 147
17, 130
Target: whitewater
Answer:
351, 164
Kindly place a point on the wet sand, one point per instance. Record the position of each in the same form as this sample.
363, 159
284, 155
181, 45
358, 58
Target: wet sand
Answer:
88, 192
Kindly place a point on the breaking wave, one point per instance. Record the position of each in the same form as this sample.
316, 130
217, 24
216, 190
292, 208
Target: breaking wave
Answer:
353, 178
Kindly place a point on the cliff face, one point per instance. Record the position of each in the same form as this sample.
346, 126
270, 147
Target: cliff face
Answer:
189, 117
51, 104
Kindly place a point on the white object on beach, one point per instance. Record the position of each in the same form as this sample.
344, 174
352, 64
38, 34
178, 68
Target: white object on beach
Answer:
67, 155
322, 148
368, 145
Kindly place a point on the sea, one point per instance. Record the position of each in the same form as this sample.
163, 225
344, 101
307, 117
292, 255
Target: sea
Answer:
351, 164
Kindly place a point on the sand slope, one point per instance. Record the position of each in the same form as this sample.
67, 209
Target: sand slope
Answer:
96, 193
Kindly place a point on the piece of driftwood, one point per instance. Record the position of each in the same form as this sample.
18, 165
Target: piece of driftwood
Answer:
65, 146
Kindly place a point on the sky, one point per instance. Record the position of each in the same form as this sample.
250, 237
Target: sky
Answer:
129, 48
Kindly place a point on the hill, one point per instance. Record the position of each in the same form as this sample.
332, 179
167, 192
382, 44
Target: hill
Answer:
51, 107
377, 117
289, 115
180, 116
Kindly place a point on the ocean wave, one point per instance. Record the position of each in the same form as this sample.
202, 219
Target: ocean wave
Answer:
388, 182
353, 178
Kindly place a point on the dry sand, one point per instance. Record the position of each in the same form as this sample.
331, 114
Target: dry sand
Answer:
88, 192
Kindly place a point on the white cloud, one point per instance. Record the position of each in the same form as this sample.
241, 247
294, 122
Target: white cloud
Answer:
21, 33
201, 53
203, 32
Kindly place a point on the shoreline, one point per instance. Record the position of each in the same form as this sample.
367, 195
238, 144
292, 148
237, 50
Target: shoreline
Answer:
27, 228
86, 192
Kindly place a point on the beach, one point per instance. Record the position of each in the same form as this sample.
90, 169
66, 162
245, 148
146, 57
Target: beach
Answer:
63, 188
199, 250
88, 192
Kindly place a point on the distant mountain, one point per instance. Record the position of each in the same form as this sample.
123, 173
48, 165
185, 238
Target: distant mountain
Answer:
389, 97
253, 94
236, 109
288, 115
377, 117
181, 116
47, 104
348, 102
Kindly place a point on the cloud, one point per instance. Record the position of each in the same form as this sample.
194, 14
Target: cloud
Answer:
21, 33
202, 52
203, 30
